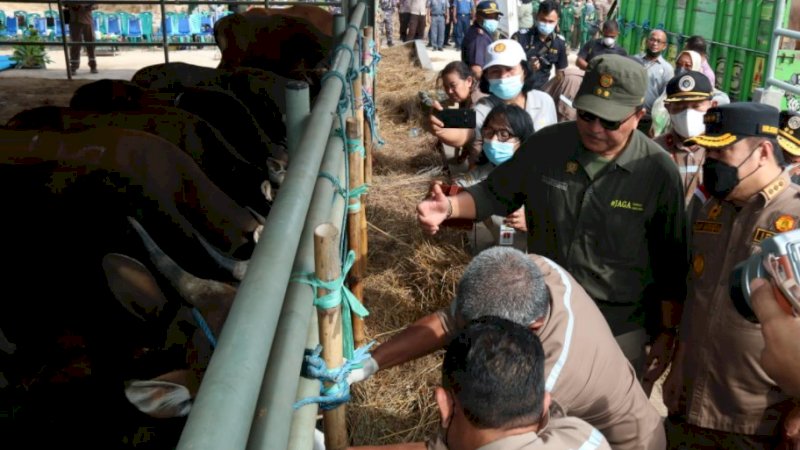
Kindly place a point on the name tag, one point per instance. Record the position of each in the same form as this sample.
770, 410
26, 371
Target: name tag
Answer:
702, 226
761, 234
554, 183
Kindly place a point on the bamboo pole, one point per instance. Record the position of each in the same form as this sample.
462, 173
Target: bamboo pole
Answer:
354, 233
328, 268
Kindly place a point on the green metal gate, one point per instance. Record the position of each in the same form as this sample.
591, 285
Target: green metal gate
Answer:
739, 35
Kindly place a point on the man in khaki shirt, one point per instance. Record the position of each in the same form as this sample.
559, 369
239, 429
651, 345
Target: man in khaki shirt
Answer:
493, 395
717, 393
688, 99
587, 373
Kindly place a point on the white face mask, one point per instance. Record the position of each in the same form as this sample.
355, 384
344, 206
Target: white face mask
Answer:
688, 123
609, 41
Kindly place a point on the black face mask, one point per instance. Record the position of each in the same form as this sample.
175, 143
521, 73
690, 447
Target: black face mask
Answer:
721, 178
651, 53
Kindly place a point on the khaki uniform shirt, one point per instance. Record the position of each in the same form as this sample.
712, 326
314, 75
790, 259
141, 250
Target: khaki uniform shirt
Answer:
724, 386
689, 160
618, 233
564, 433
587, 373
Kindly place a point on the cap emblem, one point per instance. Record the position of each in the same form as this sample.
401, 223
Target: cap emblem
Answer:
606, 80
500, 48
686, 83
794, 122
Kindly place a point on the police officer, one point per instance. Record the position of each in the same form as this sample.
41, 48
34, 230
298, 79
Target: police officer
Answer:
688, 99
388, 7
789, 140
601, 46
717, 393
437, 10
543, 47
464, 14
480, 35
599, 187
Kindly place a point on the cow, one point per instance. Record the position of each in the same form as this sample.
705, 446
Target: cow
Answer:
320, 18
226, 168
174, 188
218, 107
289, 46
69, 202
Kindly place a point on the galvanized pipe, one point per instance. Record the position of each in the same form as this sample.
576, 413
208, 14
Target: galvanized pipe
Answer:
278, 389
223, 410
780, 10
771, 81
164, 32
305, 418
298, 107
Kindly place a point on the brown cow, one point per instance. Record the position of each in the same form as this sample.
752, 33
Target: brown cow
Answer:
170, 178
289, 46
320, 18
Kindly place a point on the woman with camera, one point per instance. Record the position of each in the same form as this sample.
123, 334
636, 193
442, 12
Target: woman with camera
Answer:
507, 79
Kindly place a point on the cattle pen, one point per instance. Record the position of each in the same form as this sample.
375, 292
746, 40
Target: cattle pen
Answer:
260, 350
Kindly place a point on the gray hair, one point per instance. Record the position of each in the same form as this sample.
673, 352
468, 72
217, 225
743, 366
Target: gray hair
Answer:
502, 282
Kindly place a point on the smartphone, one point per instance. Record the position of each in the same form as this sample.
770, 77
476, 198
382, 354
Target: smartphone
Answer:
457, 118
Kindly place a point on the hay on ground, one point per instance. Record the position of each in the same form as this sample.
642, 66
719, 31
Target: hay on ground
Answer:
409, 274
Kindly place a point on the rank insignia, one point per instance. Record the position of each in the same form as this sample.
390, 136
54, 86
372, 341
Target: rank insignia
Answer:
785, 223
572, 167
698, 264
762, 234
714, 212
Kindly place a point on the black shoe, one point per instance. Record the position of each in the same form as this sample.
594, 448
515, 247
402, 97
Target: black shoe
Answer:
93, 70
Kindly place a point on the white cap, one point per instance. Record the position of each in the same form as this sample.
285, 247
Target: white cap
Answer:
504, 52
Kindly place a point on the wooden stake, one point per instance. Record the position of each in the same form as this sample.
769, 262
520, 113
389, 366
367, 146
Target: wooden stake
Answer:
354, 229
328, 267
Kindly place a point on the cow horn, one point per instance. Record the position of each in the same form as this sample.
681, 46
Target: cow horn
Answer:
236, 267
190, 287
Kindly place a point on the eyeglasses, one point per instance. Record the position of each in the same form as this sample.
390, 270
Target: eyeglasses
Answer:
657, 41
607, 124
502, 135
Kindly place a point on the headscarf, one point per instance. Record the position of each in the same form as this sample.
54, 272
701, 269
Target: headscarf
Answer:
696, 59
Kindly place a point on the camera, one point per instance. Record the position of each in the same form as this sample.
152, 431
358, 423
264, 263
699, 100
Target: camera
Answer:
779, 262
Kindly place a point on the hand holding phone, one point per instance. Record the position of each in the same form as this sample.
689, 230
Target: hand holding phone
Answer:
457, 118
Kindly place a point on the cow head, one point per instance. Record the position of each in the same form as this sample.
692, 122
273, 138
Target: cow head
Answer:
138, 290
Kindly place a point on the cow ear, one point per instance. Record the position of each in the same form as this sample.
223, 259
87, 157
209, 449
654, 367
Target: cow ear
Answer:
133, 286
163, 397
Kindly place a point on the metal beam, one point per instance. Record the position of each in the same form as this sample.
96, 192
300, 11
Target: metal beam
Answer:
223, 410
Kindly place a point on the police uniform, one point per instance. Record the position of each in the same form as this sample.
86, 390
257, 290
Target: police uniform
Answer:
727, 399
789, 140
437, 9
618, 226
464, 10
550, 52
689, 87
473, 48
388, 7
595, 48
584, 368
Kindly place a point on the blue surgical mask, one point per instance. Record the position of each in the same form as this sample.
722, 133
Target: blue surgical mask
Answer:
490, 25
545, 28
506, 88
498, 152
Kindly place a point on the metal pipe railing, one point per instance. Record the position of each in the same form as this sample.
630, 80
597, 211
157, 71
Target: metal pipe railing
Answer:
274, 410
223, 410
778, 31
305, 418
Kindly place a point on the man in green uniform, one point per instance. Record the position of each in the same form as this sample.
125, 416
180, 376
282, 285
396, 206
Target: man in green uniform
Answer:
602, 200
566, 21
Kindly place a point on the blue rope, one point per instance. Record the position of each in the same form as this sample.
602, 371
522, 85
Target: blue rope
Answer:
344, 98
369, 110
338, 294
201, 322
338, 392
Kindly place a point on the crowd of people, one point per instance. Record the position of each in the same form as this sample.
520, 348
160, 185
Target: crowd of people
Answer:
637, 187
